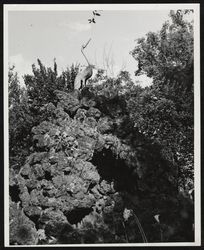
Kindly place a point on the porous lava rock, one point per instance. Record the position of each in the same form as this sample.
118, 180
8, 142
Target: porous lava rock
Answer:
79, 179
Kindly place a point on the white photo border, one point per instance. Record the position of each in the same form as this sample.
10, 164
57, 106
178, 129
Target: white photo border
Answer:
197, 109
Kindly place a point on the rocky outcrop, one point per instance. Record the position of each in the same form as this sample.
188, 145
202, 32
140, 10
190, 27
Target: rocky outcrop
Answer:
80, 178
22, 229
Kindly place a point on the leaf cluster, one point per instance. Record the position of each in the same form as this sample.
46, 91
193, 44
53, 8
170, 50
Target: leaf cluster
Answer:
167, 55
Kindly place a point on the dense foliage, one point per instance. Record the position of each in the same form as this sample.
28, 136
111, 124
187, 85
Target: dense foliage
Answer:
156, 121
42, 84
20, 122
164, 112
28, 106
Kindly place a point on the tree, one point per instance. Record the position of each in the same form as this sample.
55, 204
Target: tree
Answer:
20, 122
27, 107
65, 81
42, 84
164, 111
167, 55
14, 87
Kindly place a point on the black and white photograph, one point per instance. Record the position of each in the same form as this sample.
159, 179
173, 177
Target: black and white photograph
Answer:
102, 125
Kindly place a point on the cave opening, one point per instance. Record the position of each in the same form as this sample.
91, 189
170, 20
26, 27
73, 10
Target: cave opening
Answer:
111, 168
14, 192
75, 216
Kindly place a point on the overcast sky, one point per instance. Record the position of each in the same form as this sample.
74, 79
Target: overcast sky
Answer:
59, 34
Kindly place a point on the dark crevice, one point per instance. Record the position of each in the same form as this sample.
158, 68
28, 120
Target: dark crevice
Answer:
40, 178
67, 172
35, 219
29, 189
45, 193
76, 215
26, 177
70, 193
113, 169
71, 114
91, 185
44, 207
100, 192
14, 192
48, 176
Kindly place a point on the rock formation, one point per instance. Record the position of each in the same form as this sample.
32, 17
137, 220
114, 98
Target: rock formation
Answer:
83, 183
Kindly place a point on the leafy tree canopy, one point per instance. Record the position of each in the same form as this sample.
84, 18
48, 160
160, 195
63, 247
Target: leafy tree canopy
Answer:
167, 55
